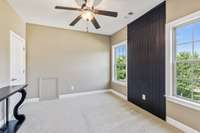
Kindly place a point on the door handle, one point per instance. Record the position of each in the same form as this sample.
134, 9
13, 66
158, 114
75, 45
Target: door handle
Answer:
13, 79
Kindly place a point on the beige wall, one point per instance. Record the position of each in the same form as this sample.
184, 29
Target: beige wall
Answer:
74, 58
187, 116
119, 36
9, 21
115, 39
180, 8
175, 10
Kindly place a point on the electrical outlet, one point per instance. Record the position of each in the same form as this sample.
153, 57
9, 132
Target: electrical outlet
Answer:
72, 88
144, 97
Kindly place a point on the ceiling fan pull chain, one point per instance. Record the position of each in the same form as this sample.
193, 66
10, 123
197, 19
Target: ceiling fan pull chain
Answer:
87, 28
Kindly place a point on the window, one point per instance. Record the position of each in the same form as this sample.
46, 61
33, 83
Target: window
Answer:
120, 63
187, 61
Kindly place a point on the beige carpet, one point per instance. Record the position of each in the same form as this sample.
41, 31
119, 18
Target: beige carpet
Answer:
97, 113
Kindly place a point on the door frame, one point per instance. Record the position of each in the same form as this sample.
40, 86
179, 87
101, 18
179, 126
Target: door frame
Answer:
12, 33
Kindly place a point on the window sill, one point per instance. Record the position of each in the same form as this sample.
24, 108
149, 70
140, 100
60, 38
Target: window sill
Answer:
120, 83
183, 102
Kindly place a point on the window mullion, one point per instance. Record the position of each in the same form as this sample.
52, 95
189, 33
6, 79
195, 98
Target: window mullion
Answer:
193, 55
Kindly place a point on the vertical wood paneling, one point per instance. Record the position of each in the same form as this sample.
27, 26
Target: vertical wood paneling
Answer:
146, 61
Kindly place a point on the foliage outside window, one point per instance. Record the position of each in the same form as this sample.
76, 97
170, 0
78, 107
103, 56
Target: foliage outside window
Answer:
120, 63
187, 39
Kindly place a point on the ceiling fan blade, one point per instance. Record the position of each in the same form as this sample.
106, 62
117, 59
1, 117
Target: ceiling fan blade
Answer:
96, 2
106, 13
95, 23
75, 20
67, 8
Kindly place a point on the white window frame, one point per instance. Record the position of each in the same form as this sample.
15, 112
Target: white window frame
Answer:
113, 64
169, 61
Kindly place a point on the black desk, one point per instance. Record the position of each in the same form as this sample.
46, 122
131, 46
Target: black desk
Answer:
5, 93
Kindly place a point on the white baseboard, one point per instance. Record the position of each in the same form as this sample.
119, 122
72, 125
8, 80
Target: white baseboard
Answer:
1, 123
119, 94
93, 92
181, 126
83, 93
31, 100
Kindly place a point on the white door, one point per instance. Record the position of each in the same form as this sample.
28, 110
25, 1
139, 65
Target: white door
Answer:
17, 60
17, 65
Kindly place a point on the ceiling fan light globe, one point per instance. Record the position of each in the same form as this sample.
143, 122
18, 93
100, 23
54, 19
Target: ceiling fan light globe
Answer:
88, 15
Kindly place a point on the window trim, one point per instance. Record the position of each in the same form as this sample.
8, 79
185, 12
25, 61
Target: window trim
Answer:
169, 61
113, 63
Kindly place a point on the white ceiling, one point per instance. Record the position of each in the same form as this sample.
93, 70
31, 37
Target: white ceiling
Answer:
42, 12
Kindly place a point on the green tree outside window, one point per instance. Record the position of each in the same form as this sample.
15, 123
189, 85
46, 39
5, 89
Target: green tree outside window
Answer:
188, 76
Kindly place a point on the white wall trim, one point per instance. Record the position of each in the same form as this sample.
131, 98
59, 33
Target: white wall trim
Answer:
181, 126
83, 93
119, 94
32, 100
93, 92
184, 103
1, 123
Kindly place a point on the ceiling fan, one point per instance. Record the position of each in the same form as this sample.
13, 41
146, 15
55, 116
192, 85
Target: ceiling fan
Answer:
88, 13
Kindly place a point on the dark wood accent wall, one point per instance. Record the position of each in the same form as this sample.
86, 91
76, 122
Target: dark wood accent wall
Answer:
146, 61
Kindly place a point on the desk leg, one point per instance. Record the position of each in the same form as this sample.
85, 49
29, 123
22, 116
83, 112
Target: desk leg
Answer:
7, 111
6, 126
18, 116
14, 125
